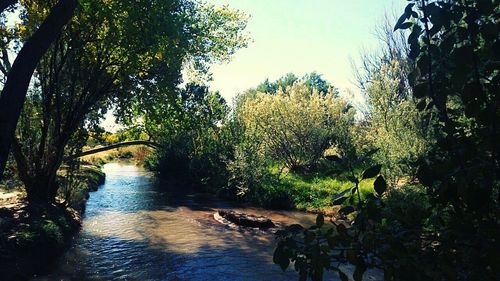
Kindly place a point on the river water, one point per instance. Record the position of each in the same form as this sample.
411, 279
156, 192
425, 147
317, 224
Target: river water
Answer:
135, 230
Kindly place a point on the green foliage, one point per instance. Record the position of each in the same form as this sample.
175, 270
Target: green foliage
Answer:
407, 207
453, 45
247, 170
196, 139
446, 226
326, 246
52, 233
397, 128
47, 232
295, 125
312, 80
126, 55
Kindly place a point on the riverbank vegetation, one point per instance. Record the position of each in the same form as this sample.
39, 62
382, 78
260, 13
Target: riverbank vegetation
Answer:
113, 54
410, 175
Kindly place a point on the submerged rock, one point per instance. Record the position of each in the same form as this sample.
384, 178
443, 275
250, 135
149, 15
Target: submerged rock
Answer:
246, 220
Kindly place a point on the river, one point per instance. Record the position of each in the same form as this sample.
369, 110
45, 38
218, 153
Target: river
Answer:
134, 229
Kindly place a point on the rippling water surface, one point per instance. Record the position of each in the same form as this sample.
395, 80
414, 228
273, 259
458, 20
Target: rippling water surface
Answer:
132, 230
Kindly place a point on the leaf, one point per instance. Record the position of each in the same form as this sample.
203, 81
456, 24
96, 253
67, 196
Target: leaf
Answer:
420, 90
280, 258
338, 201
372, 171
413, 76
320, 220
343, 276
359, 272
413, 42
339, 197
406, 15
352, 179
371, 152
346, 210
380, 185
406, 25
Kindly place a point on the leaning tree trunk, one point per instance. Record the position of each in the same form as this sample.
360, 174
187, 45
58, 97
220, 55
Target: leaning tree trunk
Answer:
14, 92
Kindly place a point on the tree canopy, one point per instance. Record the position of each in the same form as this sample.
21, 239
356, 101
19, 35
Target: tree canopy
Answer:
123, 54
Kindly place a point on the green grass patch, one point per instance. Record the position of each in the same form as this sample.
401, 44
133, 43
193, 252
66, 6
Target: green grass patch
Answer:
310, 191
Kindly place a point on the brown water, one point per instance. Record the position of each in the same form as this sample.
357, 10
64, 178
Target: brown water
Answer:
134, 230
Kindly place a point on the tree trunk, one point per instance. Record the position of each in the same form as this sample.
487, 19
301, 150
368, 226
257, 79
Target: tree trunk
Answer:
14, 92
41, 189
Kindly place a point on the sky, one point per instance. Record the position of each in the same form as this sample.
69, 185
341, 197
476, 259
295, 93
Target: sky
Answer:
301, 36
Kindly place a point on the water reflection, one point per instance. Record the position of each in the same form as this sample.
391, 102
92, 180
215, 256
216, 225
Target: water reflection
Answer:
134, 230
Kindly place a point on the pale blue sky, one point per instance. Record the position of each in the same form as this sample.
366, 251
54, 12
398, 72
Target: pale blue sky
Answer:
301, 36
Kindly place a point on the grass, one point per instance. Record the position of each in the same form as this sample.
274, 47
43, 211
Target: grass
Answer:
307, 191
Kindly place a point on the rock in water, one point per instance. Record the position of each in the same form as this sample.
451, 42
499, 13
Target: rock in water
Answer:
245, 219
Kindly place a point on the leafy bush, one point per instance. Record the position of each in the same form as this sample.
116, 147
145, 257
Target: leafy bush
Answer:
52, 233
408, 207
246, 171
197, 139
296, 124
396, 126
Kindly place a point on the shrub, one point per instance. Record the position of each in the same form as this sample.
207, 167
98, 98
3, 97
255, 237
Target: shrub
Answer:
296, 124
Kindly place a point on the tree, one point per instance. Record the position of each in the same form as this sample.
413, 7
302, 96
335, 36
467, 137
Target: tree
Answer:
114, 53
296, 124
453, 44
19, 75
396, 127
194, 137
312, 80
452, 232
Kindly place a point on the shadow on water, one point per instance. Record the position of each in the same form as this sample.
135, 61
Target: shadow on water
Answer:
135, 230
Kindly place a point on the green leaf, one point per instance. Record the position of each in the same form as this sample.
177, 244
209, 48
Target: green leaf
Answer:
421, 105
346, 210
372, 171
352, 179
320, 220
420, 90
413, 76
339, 197
339, 201
380, 185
